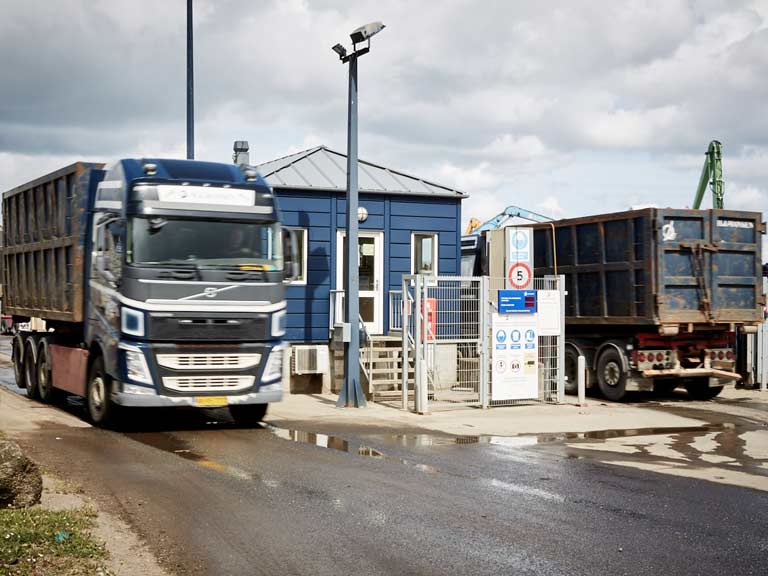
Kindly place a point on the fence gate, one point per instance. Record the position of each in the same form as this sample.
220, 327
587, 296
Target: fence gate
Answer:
447, 343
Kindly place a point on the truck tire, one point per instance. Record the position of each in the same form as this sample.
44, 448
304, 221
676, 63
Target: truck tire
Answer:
699, 389
248, 414
17, 357
611, 377
45, 390
102, 411
571, 370
30, 370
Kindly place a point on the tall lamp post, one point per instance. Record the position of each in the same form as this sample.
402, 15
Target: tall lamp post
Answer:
351, 391
190, 87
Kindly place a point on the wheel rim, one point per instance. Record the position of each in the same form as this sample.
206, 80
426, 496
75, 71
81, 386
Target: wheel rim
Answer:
42, 378
97, 393
612, 373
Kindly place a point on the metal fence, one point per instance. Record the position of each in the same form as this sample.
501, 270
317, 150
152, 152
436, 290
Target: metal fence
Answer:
446, 330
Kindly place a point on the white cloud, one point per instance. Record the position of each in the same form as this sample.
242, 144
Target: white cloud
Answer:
550, 206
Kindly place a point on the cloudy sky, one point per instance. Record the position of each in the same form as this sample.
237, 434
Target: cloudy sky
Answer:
567, 108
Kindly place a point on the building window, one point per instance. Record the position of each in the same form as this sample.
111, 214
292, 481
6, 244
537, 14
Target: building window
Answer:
424, 253
301, 253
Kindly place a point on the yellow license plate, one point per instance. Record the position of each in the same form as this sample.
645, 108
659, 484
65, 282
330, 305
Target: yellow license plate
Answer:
211, 401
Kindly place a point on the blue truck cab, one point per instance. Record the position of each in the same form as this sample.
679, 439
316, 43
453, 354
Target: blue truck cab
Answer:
179, 288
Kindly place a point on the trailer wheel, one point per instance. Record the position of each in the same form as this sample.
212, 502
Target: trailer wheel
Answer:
102, 411
17, 356
611, 377
699, 389
45, 389
571, 370
30, 370
248, 414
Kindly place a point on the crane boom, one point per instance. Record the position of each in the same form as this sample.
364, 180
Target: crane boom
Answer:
498, 221
712, 174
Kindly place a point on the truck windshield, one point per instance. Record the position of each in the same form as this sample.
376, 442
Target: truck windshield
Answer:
214, 243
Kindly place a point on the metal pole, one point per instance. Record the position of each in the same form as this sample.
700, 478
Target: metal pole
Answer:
190, 88
352, 392
560, 279
417, 334
404, 354
581, 370
484, 332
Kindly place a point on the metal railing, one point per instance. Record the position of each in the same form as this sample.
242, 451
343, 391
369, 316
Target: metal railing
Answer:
395, 310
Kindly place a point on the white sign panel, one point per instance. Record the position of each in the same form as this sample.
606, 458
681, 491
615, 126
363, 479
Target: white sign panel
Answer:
548, 308
519, 257
206, 195
515, 357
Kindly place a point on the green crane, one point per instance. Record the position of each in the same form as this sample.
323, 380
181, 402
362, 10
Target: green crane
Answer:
712, 174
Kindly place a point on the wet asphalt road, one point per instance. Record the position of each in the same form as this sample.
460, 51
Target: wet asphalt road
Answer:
212, 498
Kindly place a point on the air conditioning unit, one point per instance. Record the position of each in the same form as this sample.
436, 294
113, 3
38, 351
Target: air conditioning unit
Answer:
309, 359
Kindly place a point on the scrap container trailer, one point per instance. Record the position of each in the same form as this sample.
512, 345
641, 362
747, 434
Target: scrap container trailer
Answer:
656, 296
160, 283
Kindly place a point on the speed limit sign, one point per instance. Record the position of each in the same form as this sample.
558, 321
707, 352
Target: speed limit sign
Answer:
519, 276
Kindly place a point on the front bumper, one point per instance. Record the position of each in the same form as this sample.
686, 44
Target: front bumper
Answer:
266, 394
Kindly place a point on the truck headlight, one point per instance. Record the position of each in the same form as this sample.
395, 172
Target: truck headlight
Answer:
136, 368
131, 322
274, 368
278, 323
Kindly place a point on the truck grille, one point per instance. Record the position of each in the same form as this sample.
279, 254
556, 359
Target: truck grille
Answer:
208, 383
208, 361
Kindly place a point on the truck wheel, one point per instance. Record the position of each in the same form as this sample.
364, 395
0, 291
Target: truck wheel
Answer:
17, 347
571, 371
30, 371
102, 412
700, 389
45, 389
248, 414
611, 377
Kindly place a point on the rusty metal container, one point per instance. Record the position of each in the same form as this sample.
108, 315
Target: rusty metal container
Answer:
657, 266
45, 231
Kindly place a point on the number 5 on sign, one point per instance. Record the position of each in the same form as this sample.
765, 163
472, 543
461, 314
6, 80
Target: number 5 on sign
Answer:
519, 276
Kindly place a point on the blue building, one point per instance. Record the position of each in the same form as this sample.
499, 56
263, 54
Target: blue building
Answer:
407, 225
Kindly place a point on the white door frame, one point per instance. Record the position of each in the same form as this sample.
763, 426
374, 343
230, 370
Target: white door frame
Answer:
377, 326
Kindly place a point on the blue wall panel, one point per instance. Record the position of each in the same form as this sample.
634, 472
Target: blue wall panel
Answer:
323, 213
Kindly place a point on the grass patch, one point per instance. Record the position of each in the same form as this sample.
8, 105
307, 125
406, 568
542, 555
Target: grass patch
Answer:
35, 541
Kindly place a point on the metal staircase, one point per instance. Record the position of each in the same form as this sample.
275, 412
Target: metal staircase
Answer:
382, 363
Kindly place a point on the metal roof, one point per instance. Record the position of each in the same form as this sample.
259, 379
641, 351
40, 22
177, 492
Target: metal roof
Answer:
321, 168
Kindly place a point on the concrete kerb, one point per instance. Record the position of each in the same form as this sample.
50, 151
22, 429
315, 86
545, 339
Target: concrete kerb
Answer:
504, 421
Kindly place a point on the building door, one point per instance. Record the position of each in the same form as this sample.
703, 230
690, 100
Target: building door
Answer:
370, 260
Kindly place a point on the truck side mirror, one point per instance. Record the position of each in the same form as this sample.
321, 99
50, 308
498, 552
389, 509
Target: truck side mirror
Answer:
290, 255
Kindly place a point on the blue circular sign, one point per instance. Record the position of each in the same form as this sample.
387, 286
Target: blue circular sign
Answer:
530, 335
515, 335
501, 336
519, 240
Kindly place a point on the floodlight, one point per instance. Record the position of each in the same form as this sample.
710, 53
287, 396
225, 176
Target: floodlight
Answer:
365, 32
340, 50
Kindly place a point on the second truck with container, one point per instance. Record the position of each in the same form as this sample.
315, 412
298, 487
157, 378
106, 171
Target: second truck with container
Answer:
655, 297
160, 284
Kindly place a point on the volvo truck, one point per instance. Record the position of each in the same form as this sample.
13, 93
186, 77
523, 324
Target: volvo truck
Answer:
156, 282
